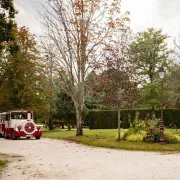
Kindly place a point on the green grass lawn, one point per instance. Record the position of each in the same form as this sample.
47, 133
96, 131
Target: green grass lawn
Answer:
107, 138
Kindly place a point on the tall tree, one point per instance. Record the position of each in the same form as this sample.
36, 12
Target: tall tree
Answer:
7, 25
65, 108
119, 87
115, 88
8, 44
79, 29
173, 87
51, 65
149, 51
23, 78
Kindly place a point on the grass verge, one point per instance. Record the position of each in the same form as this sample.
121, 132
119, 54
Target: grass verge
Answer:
106, 138
3, 162
5, 159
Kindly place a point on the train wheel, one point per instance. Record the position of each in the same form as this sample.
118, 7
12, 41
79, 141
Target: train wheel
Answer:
13, 136
38, 137
5, 135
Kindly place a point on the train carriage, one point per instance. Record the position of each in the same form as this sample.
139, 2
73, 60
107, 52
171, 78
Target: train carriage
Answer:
19, 123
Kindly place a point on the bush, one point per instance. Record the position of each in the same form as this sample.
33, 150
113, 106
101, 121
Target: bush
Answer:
138, 124
134, 135
102, 119
171, 137
106, 119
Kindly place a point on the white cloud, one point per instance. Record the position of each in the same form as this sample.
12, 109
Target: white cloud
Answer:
163, 14
28, 14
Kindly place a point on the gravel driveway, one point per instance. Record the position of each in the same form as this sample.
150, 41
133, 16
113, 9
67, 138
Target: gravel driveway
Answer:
60, 160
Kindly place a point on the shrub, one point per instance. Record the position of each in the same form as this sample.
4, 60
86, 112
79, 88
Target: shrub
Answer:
134, 135
153, 123
170, 137
138, 124
142, 130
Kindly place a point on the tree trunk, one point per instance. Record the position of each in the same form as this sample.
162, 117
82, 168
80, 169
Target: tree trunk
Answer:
51, 117
50, 124
51, 98
119, 124
79, 131
69, 126
59, 124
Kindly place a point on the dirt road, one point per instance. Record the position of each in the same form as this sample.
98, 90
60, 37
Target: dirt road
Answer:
59, 160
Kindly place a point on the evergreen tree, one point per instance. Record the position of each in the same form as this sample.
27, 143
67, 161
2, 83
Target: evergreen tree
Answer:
7, 25
65, 109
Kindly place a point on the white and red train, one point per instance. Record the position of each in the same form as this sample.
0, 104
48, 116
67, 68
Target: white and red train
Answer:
19, 123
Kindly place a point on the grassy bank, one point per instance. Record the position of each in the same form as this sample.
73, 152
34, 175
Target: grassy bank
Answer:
106, 138
7, 158
3, 162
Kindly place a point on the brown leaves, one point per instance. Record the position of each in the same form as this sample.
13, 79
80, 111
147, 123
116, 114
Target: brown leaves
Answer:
113, 4
111, 25
78, 5
126, 19
59, 86
84, 38
75, 22
78, 14
79, 63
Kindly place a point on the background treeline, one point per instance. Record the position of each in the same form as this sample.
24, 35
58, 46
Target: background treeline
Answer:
30, 77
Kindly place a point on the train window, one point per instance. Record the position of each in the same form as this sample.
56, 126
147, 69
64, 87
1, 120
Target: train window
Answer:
8, 117
18, 115
2, 118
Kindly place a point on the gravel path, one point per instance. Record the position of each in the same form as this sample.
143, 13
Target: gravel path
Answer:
59, 160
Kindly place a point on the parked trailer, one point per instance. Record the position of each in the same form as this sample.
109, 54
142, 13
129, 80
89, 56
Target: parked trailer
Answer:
19, 123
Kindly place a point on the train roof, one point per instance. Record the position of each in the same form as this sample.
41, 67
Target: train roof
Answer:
17, 110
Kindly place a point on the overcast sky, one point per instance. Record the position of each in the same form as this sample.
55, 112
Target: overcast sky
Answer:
163, 14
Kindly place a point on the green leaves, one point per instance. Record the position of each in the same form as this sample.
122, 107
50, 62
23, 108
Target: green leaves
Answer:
149, 51
21, 76
7, 27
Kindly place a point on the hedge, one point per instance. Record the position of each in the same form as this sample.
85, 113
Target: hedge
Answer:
107, 119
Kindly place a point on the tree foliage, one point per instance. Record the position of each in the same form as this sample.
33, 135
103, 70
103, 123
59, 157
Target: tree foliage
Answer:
173, 87
7, 26
23, 78
65, 109
149, 51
